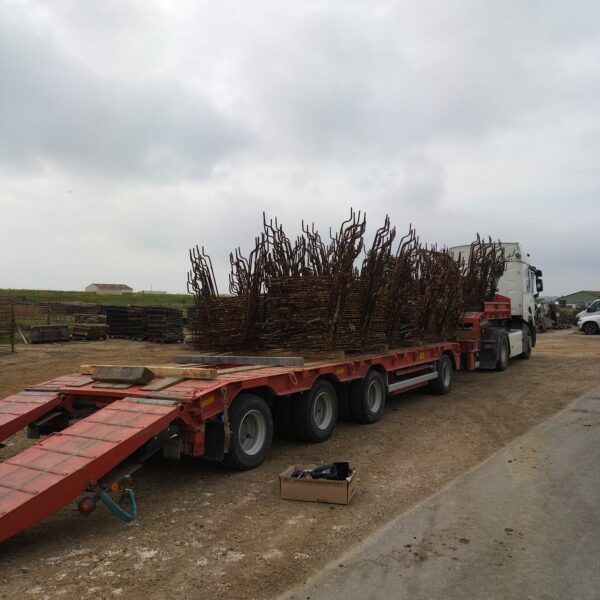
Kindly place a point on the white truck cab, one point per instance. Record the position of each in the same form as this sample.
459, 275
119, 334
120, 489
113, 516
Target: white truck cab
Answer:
522, 283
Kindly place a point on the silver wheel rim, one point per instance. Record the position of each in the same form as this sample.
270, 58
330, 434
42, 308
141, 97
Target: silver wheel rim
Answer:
253, 432
446, 374
374, 396
323, 410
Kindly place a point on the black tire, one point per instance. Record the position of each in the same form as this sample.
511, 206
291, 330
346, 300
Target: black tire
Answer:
251, 425
503, 354
590, 328
528, 337
315, 412
367, 398
442, 384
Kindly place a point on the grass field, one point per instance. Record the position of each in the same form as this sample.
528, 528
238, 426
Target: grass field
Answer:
42, 296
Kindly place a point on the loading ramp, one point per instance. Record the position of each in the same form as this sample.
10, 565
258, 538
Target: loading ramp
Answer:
41, 480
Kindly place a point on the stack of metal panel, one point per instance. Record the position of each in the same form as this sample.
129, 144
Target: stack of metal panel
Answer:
117, 318
164, 324
137, 323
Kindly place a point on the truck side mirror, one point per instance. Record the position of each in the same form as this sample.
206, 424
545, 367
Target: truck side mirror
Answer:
539, 285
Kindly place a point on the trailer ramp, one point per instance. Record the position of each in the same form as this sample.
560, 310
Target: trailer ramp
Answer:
18, 410
47, 476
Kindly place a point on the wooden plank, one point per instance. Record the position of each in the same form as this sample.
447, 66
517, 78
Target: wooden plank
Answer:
112, 385
161, 384
162, 371
220, 359
241, 369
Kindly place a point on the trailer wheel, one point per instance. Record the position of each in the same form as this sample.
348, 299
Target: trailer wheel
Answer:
502, 363
315, 412
367, 398
442, 384
251, 432
528, 343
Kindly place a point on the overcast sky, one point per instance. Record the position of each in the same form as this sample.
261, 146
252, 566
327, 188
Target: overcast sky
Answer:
130, 131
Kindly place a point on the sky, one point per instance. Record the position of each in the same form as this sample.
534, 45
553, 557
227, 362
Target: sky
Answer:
131, 131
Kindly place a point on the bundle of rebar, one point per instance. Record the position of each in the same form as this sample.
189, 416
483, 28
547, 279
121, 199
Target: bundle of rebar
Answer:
481, 270
312, 294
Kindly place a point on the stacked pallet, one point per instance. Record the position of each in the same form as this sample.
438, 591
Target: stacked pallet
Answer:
7, 326
117, 318
137, 323
164, 324
89, 327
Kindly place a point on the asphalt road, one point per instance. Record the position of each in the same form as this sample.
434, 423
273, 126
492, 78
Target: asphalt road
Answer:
524, 524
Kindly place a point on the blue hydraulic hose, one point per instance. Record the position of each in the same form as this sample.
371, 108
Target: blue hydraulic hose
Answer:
116, 510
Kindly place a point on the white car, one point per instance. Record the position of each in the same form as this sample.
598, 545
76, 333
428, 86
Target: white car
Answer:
592, 309
589, 325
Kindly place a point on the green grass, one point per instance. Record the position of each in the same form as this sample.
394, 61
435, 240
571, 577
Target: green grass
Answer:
41, 296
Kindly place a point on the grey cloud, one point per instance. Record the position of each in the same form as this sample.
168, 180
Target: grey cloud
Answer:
54, 110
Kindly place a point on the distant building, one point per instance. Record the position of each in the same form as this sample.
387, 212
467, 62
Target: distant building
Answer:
151, 292
114, 289
579, 298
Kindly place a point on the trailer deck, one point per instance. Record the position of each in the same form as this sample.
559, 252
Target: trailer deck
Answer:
99, 424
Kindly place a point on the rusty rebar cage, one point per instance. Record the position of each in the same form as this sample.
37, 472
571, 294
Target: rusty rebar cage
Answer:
311, 294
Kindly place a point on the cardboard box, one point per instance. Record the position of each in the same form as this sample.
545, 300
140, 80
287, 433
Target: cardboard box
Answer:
315, 490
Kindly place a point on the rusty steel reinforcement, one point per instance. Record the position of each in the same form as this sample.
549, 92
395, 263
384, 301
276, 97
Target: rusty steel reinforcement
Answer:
309, 294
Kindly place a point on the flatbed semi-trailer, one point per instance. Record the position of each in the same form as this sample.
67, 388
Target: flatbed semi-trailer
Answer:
98, 426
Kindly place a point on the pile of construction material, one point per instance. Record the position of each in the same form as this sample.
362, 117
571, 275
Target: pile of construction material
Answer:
313, 295
117, 319
152, 323
49, 334
7, 326
164, 324
89, 327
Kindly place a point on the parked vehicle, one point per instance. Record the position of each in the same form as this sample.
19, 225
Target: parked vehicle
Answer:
592, 309
590, 325
521, 283
105, 421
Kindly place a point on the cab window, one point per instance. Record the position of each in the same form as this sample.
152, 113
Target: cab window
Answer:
594, 306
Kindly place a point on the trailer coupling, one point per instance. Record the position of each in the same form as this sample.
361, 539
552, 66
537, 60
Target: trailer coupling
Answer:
88, 504
125, 508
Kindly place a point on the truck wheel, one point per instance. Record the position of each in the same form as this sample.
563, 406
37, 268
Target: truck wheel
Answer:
528, 342
590, 328
315, 412
442, 384
251, 432
502, 363
367, 398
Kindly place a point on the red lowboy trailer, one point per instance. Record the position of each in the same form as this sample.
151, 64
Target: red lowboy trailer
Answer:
98, 431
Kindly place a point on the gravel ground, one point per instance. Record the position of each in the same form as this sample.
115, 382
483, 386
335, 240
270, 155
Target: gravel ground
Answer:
207, 533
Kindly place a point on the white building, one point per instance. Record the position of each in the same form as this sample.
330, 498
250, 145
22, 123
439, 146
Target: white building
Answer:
114, 289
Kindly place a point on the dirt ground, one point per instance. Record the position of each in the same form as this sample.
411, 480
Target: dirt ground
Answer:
207, 533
